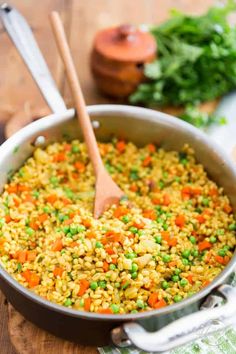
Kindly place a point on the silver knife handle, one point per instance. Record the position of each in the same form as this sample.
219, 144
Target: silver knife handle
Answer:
23, 38
183, 330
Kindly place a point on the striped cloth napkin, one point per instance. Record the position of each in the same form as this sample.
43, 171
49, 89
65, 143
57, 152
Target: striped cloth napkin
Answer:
223, 342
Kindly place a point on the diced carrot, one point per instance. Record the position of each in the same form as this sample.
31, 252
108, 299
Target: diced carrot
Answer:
34, 225
12, 188
156, 201
28, 198
190, 278
32, 244
120, 146
22, 256
16, 202
73, 244
31, 255
105, 311
80, 166
226, 259
147, 161
91, 234
227, 208
114, 260
105, 266
68, 222
213, 192
133, 187
51, 198
180, 220
26, 274
204, 245
166, 199
110, 250
208, 257
58, 271
153, 299
66, 201
172, 241
120, 211
139, 225
86, 223
219, 259
149, 214
200, 218
196, 191
151, 148
42, 218
67, 147
57, 245
87, 304
172, 264
165, 235
207, 211
159, 304
23, 188
84, 285
206, 282
34, 280
8, 218
59, 157
186, 192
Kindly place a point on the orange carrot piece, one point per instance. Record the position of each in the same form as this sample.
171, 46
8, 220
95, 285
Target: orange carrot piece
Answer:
86, 223
22, 256
147, 161
26, 274
8, 218
219, 259
190, 278
80, 166
16, 202
133, 187
84, 285
151, 148
91, 234
57, 245
159, 304
153, 299
213, 192
172, 241
172, 264
120, 146
165, 235
31, 255
42, 218
73, 244
166, 199
227, 208
67, 147
120, 211
23, 188
105, 266
87, 304
34, 280
33, 225
109, 251
58, 271
149, 214
139, 225
105, 311
59, 157
12, 188
204, 245
180, 220
51, 198
200, 219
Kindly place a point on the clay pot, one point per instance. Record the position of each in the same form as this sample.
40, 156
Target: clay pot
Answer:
118, 59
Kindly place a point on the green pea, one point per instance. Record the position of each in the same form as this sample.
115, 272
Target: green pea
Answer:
161, 184
221, 252
193, 240
130, 255
185, 261
134, 275
125, 219
46, 209
98, 244
54, 180
141, 232
19, 267
165, 227
213, 239
195, 253
166, 258
190, 293
2, 222
63, 251
81, 228
36, 194
125, 285
160, 220
232, 227
140, 304
115, 308
93, 285
62, 217
158, 239
205, 201
165, 285
134, 176
177, 298
134, 267
66, 229
183, 282
220, 232
186, 253
102, 284
198, 210
134, 311
67, 302
69, 235
175, 278
177, 271
133, 229
177, 179
75, 149
112, 266
29, 231
117, 285
73, 230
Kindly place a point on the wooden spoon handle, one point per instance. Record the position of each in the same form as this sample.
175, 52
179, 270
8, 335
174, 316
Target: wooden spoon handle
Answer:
80, 105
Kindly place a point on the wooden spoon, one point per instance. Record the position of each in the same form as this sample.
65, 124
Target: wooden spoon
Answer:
107, 192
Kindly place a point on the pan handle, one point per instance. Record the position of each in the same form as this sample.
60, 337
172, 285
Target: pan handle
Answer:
23, 38
183, 330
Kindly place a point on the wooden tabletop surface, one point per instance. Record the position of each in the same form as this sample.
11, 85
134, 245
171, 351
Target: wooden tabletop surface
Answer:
82, 18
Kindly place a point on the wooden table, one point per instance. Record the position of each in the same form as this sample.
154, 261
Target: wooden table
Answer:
82, 18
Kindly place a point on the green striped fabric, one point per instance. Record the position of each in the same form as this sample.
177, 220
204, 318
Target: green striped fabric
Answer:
222, 342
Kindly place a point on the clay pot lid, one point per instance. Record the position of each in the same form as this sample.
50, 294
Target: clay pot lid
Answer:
125, 43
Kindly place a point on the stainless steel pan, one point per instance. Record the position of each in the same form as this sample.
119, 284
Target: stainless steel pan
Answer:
153, 331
